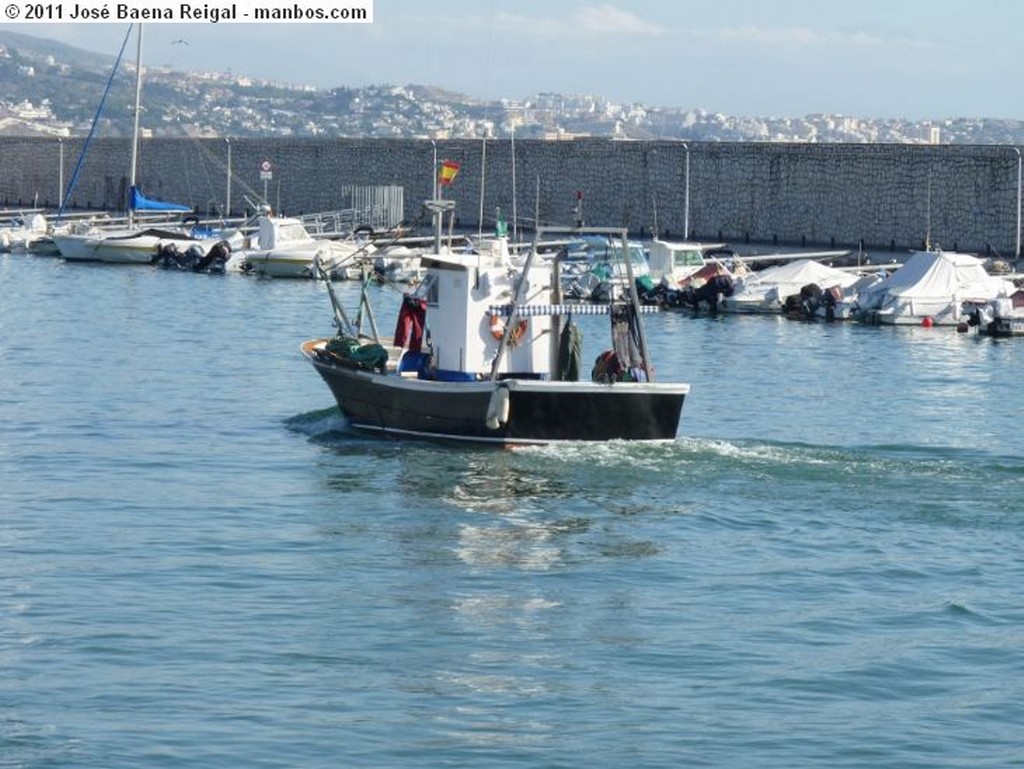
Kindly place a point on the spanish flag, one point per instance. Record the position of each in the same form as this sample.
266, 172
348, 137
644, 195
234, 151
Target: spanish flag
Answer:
449, 169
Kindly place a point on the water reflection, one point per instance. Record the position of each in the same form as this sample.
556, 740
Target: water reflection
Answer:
501, 585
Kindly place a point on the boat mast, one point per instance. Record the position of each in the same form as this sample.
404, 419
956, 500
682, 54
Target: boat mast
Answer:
66, 194
135, 128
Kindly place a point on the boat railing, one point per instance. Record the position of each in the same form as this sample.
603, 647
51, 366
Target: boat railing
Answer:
375, 208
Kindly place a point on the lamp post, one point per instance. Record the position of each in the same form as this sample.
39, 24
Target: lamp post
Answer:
60, 172
515, 215
1016, 247
433, 168
227, 194
686, 192
483, 170
438, 211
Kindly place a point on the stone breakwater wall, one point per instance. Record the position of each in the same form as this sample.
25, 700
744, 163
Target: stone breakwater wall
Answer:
831, 195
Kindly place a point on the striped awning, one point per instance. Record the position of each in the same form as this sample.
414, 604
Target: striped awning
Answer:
534, 310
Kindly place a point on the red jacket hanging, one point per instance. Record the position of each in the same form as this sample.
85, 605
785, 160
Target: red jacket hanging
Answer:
411, 317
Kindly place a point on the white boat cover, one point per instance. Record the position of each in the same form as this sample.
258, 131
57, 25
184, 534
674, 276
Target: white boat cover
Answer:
793, 276
934, 283
282, 232
767, 289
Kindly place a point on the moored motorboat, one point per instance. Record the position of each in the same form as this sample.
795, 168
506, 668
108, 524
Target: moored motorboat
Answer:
1001, 317
601, 267
782, 287
398, 264
21, 235
484, 352
130, 246
671, 263
285, 249
931, 288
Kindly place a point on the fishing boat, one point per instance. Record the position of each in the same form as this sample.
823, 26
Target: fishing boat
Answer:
485, 351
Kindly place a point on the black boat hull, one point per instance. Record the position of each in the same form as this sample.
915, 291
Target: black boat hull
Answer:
519, 411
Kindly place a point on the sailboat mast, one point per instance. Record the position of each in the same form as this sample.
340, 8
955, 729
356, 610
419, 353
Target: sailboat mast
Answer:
135, 128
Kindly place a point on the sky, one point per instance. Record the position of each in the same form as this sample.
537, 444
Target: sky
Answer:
913, 59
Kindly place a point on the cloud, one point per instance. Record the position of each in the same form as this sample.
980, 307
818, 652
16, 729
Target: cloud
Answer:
804, 37
770, 36
607, 19
512, 23
593, 21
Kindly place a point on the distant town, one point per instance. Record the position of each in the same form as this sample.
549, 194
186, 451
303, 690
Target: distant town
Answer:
48, 89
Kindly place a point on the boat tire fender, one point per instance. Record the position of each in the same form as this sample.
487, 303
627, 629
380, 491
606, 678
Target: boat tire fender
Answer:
498, 408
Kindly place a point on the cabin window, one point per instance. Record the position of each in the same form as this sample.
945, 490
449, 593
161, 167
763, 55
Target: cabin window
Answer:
688, 259
427, 289
292, 232
637, 255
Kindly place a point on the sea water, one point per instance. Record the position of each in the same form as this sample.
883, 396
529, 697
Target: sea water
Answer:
200, 566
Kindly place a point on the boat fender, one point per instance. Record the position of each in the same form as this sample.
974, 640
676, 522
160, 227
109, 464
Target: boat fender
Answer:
498, 330
498, 408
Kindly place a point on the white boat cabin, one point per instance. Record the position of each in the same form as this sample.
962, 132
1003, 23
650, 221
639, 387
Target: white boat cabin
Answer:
674, 262
282, 232
463, 327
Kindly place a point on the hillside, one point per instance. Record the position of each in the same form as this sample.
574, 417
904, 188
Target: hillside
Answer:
49, 88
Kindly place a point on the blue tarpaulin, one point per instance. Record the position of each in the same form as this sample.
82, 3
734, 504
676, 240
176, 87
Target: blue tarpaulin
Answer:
140, 202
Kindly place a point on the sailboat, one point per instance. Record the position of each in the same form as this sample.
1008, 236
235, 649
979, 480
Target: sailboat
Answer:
132, 244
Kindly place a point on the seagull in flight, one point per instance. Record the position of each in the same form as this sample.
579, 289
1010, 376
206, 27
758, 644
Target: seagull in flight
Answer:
180, 40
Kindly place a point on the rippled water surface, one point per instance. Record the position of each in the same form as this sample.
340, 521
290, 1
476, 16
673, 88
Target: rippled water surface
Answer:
201, 567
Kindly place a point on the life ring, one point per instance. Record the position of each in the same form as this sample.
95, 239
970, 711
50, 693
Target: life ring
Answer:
498, 330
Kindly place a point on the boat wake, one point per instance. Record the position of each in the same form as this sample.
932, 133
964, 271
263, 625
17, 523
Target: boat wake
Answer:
319, 423
695, 454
